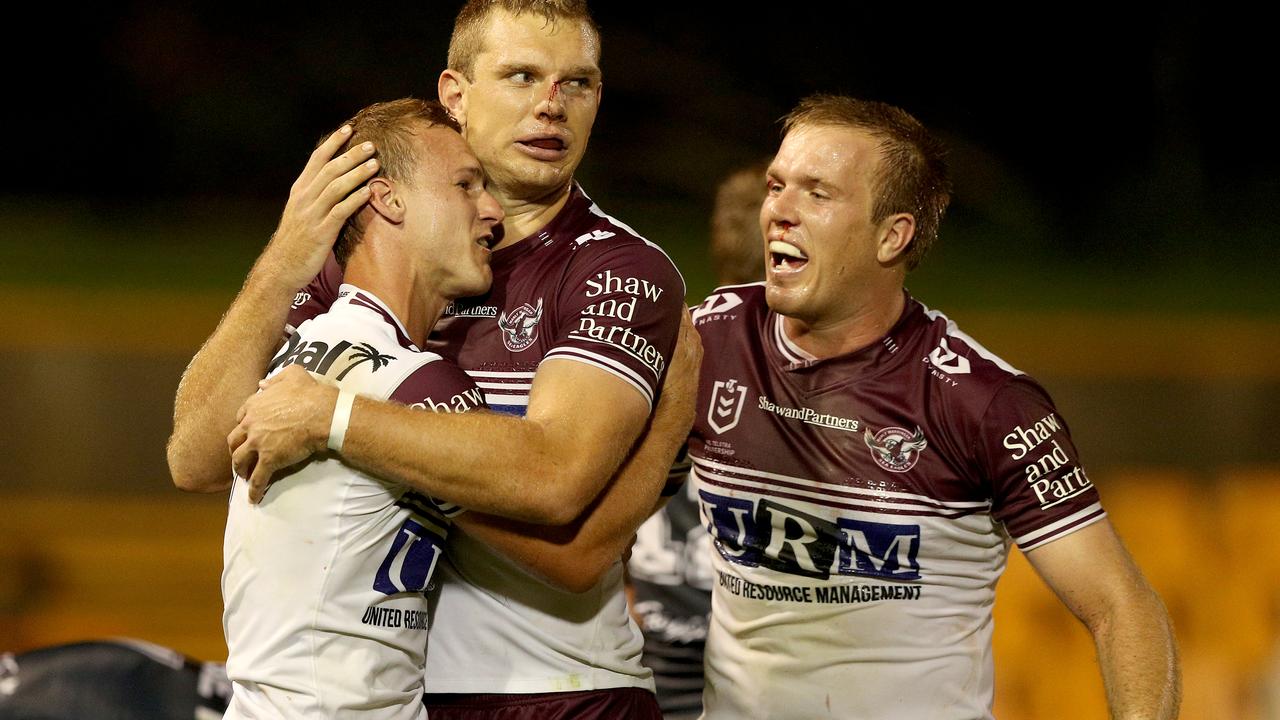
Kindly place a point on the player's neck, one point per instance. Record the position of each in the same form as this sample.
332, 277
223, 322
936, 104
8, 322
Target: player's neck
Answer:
864, 325
527, 215
388, 278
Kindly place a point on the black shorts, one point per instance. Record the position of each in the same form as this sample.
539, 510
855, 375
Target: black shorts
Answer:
612, 704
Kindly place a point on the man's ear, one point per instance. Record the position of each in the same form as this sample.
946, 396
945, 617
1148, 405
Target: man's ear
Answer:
896, 232
385, 201
452, 89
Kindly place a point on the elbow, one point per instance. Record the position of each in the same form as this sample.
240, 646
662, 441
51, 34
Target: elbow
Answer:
191, 476
580, 574
562, 498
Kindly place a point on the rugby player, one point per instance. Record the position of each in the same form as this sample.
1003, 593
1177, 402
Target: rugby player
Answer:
324, 582
863, 465
573, 342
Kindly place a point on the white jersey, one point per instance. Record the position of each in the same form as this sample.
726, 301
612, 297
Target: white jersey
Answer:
324, 582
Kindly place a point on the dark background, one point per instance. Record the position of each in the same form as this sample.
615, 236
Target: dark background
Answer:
1099, 135
1113, 230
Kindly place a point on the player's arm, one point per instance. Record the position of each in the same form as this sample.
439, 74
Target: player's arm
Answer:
1050, 507
1094, 576
577, 555
589, 400
543, 468
228, 366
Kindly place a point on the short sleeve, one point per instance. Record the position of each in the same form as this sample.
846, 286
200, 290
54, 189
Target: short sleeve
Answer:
439, 386
619, 310
1040, 491
317, 296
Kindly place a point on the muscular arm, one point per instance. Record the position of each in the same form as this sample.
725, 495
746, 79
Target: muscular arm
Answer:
1094, 576
227, 367
543, 468
575, 556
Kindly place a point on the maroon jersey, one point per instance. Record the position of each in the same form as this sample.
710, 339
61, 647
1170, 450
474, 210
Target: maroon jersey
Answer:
585, 288
861, 509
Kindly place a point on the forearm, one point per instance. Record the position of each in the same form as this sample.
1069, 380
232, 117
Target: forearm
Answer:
486, 462
222, 374
1138, 657
575, 556
227, 368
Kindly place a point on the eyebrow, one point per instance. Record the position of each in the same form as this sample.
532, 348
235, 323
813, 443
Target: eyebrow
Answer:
588, 71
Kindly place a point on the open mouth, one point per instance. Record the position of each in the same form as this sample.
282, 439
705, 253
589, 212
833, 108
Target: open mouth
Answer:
785, 257
544, 147
485, 242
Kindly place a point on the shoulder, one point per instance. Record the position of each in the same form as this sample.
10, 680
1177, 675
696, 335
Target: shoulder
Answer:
959, 363
602, 242
977, 389
730, 307
439, 385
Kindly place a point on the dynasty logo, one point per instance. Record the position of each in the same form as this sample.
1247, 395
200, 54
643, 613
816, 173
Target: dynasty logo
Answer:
895, 449
520, 327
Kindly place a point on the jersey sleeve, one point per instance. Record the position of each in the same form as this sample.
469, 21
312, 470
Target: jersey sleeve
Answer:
619, 310
316, 297
1039, 489
439, 386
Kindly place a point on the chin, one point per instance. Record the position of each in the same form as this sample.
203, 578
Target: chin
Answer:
783, 301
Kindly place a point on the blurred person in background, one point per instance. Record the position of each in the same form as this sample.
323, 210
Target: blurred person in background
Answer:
670, 566
572, 344
863, 466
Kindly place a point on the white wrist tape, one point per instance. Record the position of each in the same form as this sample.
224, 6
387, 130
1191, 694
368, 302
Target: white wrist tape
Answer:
341, 417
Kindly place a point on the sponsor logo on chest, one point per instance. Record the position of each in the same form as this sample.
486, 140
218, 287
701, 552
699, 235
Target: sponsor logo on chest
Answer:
770, 534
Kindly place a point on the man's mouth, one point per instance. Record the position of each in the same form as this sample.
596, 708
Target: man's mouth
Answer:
786, 258
544, 147
485, 241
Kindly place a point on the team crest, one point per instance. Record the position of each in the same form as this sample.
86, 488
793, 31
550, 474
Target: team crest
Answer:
727, 399
895, 449
520, 328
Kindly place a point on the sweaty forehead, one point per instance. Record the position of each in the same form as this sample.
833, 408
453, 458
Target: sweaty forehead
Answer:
829, 153
441, 150
531, 39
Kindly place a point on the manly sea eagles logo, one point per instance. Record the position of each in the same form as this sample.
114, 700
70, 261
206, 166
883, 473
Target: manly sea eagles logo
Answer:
895, 449
520, 328
727, 399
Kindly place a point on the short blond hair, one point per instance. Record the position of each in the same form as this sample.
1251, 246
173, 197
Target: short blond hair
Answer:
391, 127
467, 40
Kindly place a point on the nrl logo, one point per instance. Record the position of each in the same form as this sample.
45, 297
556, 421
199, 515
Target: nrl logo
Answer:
895, 449
727, 399
520, 328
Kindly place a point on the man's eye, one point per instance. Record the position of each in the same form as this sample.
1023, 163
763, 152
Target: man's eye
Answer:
521, 77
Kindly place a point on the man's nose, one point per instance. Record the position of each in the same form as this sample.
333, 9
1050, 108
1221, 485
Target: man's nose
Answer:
551, 105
